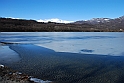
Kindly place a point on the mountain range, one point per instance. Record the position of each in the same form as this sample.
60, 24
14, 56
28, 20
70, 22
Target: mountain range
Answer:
95, 24
105, 22
100, 20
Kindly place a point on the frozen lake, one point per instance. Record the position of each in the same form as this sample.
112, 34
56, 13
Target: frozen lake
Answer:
66, 57
105, 43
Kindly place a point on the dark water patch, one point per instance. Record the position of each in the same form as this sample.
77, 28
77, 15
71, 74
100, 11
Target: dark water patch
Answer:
8, 43
86, 50
65, 67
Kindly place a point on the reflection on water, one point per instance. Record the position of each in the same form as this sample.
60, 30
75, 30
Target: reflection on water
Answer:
7, 55
86, 50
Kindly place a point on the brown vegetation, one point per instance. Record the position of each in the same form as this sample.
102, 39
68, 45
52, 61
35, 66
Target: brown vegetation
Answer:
21, 25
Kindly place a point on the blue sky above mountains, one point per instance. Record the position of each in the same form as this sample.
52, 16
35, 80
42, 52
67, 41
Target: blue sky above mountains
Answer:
71, 10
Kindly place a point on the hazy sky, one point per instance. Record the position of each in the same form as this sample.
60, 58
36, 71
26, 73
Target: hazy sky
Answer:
63, 9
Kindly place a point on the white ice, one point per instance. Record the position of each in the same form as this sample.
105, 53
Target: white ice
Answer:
36, 80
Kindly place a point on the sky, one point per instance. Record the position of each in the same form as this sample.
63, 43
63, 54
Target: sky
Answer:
70, 10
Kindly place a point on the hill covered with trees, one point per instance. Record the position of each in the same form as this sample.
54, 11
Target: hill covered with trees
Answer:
22, 25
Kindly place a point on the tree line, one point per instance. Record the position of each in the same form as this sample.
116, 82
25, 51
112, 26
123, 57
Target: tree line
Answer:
22, 25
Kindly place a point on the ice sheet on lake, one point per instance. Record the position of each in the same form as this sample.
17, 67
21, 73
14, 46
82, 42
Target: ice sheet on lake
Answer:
100, 43
105, 43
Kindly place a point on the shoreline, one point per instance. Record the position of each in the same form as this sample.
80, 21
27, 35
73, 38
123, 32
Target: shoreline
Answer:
8, 75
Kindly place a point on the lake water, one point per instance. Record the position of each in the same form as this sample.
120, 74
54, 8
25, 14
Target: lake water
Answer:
66, 57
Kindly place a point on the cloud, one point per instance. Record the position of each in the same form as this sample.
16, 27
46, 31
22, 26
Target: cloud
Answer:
55, 20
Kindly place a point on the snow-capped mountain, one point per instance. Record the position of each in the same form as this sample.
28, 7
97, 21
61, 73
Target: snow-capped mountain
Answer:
98, 20
94, 21
101, 20
122, 17
54, 20
105, 22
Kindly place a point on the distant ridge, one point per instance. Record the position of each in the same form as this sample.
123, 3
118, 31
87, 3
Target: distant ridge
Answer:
117, 23
101, 20
93, 25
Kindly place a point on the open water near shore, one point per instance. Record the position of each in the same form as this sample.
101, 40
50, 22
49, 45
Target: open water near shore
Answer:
66, 57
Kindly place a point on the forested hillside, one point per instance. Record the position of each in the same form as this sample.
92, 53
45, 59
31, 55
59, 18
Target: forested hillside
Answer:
22, 25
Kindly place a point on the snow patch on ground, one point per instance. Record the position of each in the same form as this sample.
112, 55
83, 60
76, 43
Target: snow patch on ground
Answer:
1, 65
36, 80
